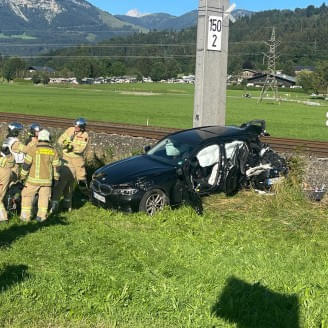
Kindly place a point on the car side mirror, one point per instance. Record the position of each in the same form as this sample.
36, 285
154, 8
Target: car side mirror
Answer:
147, 148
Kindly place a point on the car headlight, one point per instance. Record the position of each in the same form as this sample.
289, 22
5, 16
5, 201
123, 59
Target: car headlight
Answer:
124, 190
97, 175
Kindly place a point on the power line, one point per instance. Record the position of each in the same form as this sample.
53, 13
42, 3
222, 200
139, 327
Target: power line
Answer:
114, 56
140, 45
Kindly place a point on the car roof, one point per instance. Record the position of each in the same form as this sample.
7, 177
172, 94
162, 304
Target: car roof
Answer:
207, 132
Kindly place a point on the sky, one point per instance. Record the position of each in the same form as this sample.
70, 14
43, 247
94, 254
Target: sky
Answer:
179, 7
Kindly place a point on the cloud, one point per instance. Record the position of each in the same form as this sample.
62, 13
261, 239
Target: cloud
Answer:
135, 13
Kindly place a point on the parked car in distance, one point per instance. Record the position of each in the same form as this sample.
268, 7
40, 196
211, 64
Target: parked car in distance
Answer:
187, 164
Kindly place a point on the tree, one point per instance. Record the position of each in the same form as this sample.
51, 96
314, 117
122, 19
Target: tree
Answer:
247, 64
82, 68
65, 72
13, 68
45, 78
105, 67
288, 68
158, 72
172, 68
307, 80
139, 76
118, 69
144, 65
322, 76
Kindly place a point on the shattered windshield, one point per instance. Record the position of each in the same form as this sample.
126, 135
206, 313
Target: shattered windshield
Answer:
171, 150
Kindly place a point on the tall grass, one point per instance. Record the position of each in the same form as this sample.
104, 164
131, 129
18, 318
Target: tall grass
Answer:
249, 261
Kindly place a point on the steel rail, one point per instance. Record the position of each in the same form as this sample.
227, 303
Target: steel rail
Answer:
287, 145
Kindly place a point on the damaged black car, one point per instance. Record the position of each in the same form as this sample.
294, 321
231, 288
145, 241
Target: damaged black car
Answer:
186, 165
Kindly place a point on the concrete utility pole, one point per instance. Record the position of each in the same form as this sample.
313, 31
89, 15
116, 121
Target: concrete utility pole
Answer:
211, 62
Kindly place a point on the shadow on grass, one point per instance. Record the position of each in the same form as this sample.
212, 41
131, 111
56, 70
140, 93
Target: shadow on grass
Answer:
10, 235
12, 275
79, 199
255, 306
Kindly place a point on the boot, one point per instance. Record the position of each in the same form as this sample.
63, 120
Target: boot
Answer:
54, 207
39, 219
3, 216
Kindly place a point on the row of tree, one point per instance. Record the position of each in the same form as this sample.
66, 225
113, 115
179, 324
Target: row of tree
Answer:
13, 68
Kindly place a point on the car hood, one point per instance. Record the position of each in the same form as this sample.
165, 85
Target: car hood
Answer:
130, 169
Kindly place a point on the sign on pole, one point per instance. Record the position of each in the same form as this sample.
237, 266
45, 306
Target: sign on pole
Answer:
214, 33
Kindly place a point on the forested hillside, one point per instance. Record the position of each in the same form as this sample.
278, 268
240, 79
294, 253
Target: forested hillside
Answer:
303, 34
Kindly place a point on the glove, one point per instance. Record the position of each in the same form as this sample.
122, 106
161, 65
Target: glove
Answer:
66, 142
21, 180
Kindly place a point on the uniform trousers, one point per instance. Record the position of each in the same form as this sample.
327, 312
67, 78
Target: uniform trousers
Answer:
5, 174
78, 164
28, 194
65, 186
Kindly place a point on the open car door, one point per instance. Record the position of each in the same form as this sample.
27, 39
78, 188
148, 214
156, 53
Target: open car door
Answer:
236, 155
202, 174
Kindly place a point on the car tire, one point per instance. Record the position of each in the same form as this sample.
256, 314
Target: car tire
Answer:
153, 201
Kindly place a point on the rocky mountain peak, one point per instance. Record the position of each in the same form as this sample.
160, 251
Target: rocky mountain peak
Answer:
50, 8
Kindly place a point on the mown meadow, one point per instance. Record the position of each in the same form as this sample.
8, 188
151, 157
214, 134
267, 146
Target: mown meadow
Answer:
166, 105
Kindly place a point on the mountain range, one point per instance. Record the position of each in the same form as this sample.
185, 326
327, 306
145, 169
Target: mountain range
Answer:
29, 27
163, 21
35, 23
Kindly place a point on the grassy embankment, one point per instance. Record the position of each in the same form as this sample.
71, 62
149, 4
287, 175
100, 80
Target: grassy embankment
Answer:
166, 105
251, 261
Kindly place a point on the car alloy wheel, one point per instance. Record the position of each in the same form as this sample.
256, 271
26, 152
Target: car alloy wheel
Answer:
153, 201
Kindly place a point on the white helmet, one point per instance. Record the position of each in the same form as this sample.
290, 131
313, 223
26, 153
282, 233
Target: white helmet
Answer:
44, 135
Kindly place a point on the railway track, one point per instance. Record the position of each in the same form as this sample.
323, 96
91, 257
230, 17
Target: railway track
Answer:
286, 145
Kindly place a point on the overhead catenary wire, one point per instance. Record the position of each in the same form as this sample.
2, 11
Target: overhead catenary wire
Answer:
140, 45
149, 56
109, 56
72, 45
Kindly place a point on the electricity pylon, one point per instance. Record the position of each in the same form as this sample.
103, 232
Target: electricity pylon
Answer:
271, 81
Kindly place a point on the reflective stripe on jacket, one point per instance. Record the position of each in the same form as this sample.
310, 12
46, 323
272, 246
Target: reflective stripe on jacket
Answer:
41, 165
7, 161
73, 143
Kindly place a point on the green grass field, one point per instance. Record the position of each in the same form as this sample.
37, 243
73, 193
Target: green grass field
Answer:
251, 261
166, 105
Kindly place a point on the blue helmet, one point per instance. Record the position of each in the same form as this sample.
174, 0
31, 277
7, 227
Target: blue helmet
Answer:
81, 123
34, 128
14, 129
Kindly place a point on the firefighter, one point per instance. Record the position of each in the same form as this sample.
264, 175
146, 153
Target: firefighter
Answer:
7, 162
73, 142
41, 166
15, 146
32, 140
